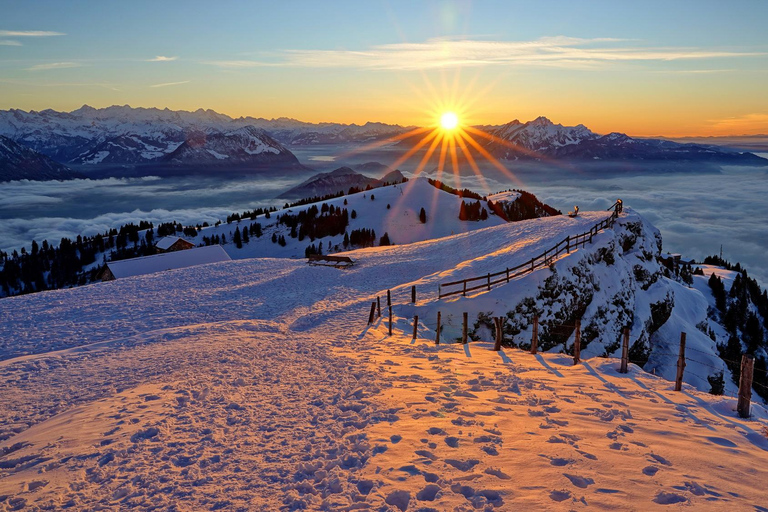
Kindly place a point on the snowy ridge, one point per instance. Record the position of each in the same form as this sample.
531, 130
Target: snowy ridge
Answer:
18, 162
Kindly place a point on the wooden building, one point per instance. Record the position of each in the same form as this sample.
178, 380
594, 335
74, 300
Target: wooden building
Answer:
173, 243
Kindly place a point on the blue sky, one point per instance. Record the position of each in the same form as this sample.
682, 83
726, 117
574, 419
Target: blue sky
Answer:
675, 67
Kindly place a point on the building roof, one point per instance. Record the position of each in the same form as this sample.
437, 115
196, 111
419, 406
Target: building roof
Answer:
167, 261
167, 241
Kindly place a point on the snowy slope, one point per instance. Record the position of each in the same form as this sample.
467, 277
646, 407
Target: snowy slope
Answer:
18, 162
400, 221
255, 384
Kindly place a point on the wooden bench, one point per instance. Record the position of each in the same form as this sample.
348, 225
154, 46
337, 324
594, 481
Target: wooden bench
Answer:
331, 261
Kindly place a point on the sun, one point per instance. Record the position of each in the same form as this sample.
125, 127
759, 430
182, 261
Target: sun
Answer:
449, 121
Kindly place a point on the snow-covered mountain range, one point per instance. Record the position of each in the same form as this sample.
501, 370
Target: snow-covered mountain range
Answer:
543, 139
125, 135
121, 136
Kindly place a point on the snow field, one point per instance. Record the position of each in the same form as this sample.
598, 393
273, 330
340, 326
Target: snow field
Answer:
256, 385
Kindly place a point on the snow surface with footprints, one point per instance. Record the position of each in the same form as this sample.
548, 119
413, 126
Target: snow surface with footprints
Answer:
256, 385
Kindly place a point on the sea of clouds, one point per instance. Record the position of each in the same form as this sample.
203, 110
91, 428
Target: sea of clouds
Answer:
696, 213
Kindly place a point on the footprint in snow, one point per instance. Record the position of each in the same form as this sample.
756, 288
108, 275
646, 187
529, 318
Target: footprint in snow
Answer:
660, 459
650, 470
462, 465
559, 495
579, 481
669, 498
497, 473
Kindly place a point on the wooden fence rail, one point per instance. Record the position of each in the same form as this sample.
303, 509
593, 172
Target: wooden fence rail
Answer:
487, 281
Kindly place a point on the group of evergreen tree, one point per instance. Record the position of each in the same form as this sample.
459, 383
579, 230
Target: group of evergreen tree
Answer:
743, 311
361, 238
461, 193
250, 214
49, 267
314, 222
472, 211
527, 206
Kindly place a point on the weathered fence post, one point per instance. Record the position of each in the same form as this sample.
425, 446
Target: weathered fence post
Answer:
507, 275
499, 332
532, 259
568, 244
389, 298
590, 234
415, 325
464, 329
439, 291
413, 294
437, 331
625, 352
489, 281
745, 385
577, 343
680, 364
390, 320
535, 335
464, 293
373, 312
378, 302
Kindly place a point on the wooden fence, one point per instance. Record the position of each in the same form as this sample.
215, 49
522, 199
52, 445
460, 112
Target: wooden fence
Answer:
542, 260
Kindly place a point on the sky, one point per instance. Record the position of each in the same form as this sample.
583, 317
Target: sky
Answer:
680, 68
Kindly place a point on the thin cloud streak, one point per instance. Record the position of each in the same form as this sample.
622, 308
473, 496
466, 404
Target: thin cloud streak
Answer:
746, 122
560, 51
54, 65
29, 33
10, 43
162, 58
168, 84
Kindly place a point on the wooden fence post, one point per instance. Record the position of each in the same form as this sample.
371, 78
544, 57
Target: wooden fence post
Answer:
390, 320
439, 291
437, 332
464, 293
745, 385
507, 275
489, 281
577, 343
680, 364
373, 312
532, 264
535, 335
378, 302
499, 332
389, 298
625, 352
415, 325
464, 329
568, 244
413, 294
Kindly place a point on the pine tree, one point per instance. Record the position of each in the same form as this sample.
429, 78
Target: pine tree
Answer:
384, 240
423, 216
237, 239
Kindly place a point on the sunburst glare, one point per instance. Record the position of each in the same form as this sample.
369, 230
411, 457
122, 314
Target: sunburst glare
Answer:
449, 121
